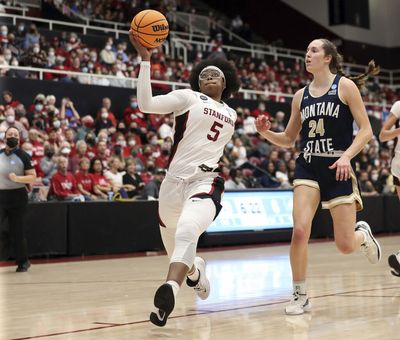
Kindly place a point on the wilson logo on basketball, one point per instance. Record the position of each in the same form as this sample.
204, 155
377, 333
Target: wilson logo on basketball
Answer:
159, 40
157, 28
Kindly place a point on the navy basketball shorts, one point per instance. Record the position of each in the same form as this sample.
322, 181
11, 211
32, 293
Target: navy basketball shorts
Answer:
316, 174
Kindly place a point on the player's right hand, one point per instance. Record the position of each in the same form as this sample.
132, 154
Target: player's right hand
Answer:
262, 123
141, 50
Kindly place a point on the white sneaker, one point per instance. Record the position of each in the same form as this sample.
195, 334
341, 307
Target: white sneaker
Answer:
298, 304
370, 248
394, 263
202, 285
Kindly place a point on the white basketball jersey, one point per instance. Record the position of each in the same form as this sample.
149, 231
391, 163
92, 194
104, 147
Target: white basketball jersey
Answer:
201, 131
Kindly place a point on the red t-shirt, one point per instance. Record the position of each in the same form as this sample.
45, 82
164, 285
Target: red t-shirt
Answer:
85, 180
98, 179
63, 185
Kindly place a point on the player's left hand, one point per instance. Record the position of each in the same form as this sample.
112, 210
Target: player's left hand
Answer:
343, 168
13, 177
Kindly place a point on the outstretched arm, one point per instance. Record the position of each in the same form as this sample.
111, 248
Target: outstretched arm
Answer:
171, 102
288, 137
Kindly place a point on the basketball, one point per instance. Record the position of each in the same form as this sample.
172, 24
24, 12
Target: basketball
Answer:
151, 27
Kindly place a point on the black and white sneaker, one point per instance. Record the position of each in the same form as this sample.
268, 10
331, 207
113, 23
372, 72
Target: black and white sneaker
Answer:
394, 263
202, 285
164, 303
298, 304
370, 248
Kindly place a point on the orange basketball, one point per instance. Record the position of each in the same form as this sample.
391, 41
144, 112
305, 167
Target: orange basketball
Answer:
151, 27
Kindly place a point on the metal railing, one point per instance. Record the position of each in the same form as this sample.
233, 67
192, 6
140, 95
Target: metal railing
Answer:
27, 3
23, 10
131, 83
179, 46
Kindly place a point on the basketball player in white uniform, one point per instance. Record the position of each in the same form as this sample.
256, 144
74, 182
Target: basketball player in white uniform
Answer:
191, 192
391, 130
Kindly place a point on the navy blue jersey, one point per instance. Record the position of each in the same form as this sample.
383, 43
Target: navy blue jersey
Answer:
326, 122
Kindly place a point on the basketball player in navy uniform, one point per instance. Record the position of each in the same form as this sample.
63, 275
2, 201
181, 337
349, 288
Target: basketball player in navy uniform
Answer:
191, 192
391, 130
323, 114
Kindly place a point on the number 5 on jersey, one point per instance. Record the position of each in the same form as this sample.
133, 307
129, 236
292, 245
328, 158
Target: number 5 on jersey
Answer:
215, 128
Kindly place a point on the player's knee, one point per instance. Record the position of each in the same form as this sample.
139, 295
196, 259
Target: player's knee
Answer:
300, 234
186, 235
345, 246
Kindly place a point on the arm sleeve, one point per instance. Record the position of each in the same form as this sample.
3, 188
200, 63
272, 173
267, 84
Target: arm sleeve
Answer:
174, 101
26, 160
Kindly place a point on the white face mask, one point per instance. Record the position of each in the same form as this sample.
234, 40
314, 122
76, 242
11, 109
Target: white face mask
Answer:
65, 151
10, 119
374, 177
122, 143
36, 50
29, 152
56, 124
104, 115
132, 142
38, 107
108, 47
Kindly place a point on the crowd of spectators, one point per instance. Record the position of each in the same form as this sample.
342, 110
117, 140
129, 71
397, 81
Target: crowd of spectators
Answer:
126, 153
99, 156
23, 45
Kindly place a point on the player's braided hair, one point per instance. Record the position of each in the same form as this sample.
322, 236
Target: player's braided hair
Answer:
336, 65
232, 81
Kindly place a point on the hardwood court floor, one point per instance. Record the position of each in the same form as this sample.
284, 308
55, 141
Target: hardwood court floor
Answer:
111, 299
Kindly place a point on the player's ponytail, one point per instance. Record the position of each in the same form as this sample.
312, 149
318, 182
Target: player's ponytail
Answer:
336, 65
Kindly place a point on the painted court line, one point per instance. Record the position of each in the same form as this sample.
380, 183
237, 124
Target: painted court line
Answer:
110, 325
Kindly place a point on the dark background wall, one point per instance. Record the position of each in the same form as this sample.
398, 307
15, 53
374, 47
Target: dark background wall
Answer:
122, 227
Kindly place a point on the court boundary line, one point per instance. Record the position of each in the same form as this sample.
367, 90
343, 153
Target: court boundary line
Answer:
342, 294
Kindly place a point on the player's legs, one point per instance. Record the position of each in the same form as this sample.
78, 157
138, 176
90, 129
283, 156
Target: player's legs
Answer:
394, 259
305, 203
344, 220
195, 218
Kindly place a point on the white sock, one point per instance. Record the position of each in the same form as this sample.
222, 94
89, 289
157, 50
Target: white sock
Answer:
299, 286
175, 287
195, 275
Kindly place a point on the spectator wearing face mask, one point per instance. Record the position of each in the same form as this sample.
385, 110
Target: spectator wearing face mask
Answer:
3, 34
106, 103
107, 55
11, 121
132, 113
32, 37
48, 164
36, 110
163, 159
104, 122
36, 57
